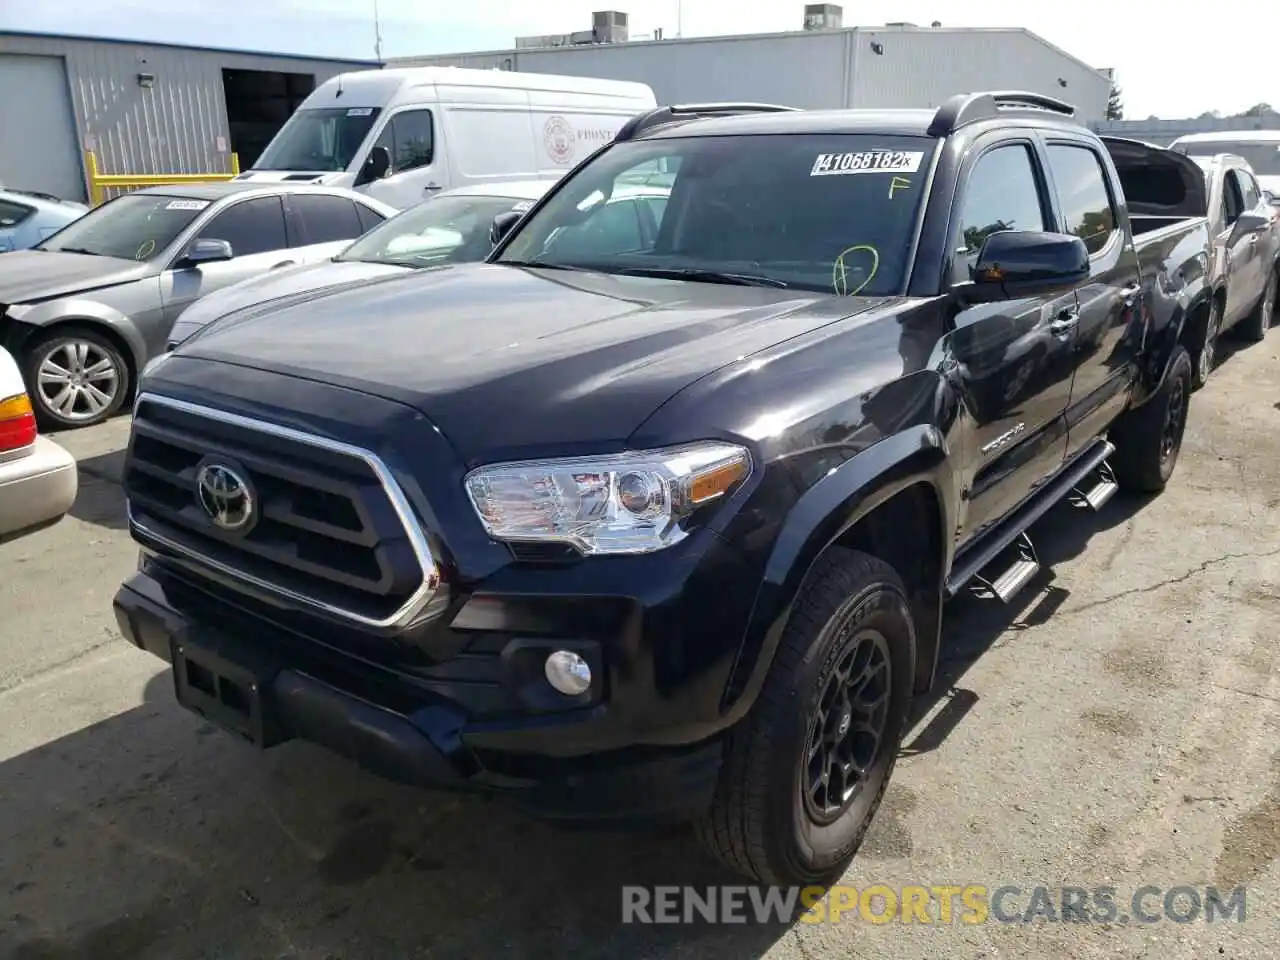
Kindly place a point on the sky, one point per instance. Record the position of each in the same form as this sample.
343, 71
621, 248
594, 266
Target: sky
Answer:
1165, 66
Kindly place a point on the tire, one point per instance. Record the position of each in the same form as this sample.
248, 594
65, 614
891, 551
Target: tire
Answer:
1258, 322
852, 610
1205, 354
1149, 438
51, 367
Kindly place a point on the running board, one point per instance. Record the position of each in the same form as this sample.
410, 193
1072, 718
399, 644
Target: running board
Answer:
1017, 575
976, 558
1096, 497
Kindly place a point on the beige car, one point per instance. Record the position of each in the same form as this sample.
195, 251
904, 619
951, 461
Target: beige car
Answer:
38, 479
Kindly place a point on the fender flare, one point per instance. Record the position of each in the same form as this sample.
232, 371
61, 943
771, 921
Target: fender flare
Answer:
27, 322
824, 513
1160, 351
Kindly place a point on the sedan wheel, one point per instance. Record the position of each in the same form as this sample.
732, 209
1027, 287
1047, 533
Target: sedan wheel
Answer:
76, 379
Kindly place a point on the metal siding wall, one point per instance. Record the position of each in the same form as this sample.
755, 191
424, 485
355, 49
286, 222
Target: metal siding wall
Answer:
921, 68
827, 69
171, 127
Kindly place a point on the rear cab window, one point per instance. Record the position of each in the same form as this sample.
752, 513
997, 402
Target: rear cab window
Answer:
832, 213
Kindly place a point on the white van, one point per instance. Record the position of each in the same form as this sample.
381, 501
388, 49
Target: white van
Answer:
444, 127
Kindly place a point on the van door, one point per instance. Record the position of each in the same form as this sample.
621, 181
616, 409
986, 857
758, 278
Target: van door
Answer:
419, 168
488, 133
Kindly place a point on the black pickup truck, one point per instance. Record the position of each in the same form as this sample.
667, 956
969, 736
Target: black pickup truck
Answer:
661, 523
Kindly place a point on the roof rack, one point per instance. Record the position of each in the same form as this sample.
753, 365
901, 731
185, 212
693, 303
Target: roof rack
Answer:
691, 111
966, 108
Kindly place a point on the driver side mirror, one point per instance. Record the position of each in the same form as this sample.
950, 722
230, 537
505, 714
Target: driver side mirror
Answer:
502, 225
1025, 263
375, 166
207, 251
1246, 224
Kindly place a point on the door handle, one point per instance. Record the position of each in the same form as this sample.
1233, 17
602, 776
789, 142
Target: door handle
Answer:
1064, 323
1130, 294
283, 263
432, 187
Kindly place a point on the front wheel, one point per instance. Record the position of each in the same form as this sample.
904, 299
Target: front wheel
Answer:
76, 378
1149, 439
804, 772
1257, 324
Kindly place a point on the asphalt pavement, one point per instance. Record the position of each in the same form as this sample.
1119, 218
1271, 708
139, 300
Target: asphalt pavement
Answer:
1117, 727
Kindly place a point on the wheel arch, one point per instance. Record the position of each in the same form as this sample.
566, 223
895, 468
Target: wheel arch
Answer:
23, 335
895, 500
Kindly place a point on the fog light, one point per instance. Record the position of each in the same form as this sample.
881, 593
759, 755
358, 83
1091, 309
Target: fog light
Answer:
568, 673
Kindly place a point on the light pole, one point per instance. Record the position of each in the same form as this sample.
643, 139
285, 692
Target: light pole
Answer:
377, 33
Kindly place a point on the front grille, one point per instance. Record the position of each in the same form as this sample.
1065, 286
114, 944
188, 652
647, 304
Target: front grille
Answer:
331, 529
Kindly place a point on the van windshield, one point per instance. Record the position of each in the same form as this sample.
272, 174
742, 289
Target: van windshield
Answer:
1262, 155
834, 213
319, 140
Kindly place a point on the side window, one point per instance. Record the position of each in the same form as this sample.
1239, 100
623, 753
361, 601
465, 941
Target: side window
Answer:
326, 219
369, 218
1232, 198
1249, 187
614, 228
12, 214
409, 138
1082, 189
250, 226
1001, 194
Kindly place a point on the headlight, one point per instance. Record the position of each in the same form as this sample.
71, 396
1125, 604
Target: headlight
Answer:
630, 502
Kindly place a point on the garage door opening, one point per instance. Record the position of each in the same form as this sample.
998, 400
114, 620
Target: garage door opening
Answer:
258, 104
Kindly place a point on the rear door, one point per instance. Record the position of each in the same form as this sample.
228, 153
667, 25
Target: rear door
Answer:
1011, 359
255, 228
1104, 360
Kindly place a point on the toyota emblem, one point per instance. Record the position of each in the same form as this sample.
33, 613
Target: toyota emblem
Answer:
226, 497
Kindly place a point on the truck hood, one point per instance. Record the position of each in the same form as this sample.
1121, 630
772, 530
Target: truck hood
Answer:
512, 362
31, 275
275, 289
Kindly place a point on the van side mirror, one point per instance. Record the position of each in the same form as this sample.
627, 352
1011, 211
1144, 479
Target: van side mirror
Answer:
502, 225
375, 166
1025, 263
208, 250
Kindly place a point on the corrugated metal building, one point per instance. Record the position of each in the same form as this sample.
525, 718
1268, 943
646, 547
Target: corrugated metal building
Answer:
141, 107
890, 66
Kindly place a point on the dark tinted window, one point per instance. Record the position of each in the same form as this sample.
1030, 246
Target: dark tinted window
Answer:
825, 212
369, 218
326, 219
1082, 190
1000, 194
1250, 189
12, 214
250, 226
1232, 198
409, 140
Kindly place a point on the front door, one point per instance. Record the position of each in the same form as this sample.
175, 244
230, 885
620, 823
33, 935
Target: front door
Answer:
1109, 325
256, 231
1238, 251
1010, 360
417, 169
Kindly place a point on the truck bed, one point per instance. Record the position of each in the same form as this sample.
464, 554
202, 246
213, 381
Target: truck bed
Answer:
1163, 190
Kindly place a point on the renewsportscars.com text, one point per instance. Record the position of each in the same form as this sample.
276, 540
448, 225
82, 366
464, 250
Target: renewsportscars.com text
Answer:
935, 904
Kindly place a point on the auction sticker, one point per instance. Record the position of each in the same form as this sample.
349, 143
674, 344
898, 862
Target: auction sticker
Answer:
867, 161
360, 112
187, 204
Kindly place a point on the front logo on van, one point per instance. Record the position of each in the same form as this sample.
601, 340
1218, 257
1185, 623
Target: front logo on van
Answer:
561, 140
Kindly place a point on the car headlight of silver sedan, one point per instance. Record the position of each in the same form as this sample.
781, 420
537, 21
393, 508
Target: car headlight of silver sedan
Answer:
625, 503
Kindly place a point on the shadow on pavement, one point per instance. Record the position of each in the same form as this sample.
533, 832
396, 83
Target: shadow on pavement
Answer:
153, 836
100, 500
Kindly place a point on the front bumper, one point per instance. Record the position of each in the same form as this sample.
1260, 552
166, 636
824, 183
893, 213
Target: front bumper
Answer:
36, 488
270, 686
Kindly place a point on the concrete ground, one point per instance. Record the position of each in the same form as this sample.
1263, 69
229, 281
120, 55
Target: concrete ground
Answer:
1118, 728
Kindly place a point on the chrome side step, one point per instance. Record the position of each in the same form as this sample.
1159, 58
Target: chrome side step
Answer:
1017, 575
1096, 497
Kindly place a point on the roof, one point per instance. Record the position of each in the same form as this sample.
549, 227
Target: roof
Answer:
884, 122
473, 77
1233, 136
217, 190
83, 38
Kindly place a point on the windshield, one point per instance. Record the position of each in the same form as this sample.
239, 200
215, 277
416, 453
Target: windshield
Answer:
325, 140
131, 227
826, 212
1262, 155
441, 230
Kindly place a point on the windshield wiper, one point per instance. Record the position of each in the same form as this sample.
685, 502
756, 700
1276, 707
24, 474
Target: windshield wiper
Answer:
703, 276
91, 253
541, 265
